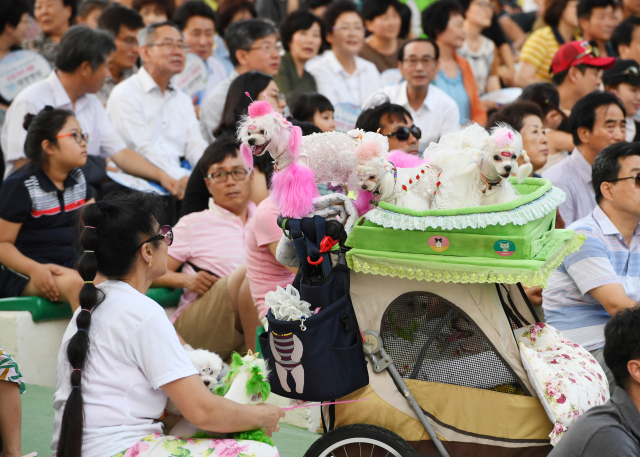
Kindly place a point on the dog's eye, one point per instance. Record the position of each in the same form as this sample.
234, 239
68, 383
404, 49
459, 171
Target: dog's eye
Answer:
496, 157
261, 132
372, 177
513, 156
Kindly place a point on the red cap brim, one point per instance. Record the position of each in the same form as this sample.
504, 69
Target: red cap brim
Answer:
601, 62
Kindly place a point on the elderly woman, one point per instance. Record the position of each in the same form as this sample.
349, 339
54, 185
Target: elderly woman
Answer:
382, 20
443, 22
340, 74
561, 17
54, 17
302, 35
526, 117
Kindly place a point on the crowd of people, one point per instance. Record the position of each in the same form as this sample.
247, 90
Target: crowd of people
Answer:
414, 70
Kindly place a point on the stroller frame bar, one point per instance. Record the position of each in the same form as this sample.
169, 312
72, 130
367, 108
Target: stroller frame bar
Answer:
381, 360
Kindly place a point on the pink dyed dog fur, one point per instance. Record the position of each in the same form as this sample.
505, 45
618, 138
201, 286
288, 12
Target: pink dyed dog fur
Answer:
294, 189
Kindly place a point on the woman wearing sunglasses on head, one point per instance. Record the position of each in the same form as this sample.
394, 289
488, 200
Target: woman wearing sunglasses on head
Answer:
121, 358
38, 208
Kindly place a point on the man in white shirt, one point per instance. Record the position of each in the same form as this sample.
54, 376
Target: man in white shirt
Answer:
253, 46
197, 21
151, 116
83, 64
340, 74
597, 121
432, 110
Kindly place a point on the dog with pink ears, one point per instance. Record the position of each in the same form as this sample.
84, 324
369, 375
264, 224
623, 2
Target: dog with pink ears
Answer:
300, 163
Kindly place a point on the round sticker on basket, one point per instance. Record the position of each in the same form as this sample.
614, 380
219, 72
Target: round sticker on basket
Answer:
504, 248
439, 243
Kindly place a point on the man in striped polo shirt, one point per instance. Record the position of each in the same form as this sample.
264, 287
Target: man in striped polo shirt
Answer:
603, 277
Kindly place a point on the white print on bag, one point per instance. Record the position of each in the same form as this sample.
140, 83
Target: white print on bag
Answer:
287, 350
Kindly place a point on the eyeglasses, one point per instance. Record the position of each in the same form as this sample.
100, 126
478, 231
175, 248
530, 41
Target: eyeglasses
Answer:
636, 177
482, 4
179, 46
425, 61
166, 233
277, 95
129, 41
268, 48
238, 174
347, 29
631, 72
78, 136
403, 133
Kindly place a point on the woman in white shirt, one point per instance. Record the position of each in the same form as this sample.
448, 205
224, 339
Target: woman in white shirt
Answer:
122, 356
340, 74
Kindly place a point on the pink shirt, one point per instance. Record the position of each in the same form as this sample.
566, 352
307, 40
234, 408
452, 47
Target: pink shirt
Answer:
214, 240
263, 270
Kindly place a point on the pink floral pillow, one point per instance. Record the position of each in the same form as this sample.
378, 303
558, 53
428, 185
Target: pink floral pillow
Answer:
566, 377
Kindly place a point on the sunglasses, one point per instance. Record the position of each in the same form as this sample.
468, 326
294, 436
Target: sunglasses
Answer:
636, 177
166, 233
588, 50
403, 133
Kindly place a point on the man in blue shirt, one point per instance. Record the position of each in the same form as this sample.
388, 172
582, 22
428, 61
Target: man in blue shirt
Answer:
603, 277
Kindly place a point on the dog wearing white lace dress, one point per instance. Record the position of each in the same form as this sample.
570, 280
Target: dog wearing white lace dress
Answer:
477, 165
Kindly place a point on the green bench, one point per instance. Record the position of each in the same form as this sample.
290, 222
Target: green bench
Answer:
42, 309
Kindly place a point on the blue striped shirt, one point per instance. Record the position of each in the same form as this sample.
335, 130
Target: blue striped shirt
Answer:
604, 259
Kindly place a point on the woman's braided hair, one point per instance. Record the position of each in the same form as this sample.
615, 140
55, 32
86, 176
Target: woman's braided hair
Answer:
112, 231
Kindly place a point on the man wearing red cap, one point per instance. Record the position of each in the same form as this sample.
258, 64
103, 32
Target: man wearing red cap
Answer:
577, 71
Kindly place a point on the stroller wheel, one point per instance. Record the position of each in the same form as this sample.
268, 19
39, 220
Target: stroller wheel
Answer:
361, 440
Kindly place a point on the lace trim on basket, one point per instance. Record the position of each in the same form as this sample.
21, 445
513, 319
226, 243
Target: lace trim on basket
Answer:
518, 216
466, 274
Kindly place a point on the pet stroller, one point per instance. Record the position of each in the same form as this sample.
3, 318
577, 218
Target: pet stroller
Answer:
437, 295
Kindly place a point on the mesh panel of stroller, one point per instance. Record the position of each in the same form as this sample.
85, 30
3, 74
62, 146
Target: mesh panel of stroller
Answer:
431, 339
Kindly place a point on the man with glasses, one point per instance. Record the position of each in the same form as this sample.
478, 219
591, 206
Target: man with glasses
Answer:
394, 122
124, 23
83, 64
623, 81
210, 246
603, 277
597, 121
253, 46
150, 115
432, 110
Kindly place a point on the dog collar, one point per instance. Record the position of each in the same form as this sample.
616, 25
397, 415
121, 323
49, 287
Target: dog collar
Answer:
489, 185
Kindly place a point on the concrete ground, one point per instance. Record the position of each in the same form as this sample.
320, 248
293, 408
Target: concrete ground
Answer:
37, 427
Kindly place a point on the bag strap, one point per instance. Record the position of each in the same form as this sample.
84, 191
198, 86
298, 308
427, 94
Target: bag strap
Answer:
300, 245
314, 249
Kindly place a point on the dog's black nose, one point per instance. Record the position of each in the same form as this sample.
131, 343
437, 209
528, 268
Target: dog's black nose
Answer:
206, 383
507, 168
251, 141
364, 187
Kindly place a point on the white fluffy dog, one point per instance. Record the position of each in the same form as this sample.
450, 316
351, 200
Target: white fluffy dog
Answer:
210, 368
415, 188
477, 166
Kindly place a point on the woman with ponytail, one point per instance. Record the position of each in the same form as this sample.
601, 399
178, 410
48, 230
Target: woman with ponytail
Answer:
39, 205
121, 358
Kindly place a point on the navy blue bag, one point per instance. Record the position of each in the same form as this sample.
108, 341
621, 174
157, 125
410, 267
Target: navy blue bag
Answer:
319, 358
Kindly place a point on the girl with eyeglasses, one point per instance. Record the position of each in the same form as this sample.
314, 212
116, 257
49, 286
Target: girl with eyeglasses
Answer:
121, 358
39, 206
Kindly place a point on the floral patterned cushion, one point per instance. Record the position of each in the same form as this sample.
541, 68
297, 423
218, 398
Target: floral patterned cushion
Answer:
566, 377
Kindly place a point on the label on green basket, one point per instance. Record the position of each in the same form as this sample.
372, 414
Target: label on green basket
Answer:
504, 248
439, 243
